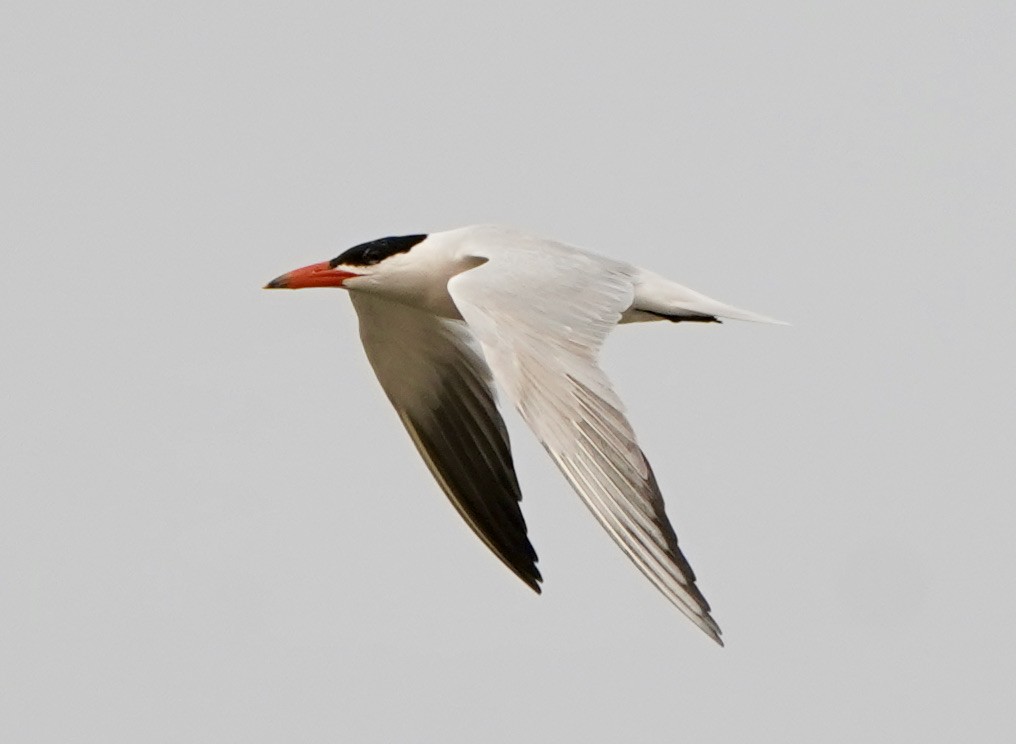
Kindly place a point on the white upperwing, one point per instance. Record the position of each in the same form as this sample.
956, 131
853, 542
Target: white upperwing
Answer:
541, 311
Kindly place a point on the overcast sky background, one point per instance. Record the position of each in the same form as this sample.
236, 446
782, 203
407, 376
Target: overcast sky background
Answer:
213, 527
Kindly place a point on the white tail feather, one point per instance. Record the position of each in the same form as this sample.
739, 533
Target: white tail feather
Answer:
660, 297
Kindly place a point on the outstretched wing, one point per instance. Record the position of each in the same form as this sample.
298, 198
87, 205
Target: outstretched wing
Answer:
441, 388
541, 312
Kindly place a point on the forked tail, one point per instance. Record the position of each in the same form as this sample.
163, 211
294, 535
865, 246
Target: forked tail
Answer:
657, 298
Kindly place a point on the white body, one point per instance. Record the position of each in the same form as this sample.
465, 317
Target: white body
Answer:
420, 276
444, 317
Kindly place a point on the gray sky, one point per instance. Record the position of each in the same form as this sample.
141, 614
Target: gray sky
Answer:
212, 526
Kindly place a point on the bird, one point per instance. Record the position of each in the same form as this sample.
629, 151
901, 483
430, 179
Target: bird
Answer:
444, 316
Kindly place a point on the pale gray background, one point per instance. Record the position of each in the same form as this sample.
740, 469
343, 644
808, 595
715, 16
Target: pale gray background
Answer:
212, 526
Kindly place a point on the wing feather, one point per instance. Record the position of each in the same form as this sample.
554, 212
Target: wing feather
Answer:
541, 312
442, 390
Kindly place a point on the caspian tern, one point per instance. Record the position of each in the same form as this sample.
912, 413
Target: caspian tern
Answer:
443, 316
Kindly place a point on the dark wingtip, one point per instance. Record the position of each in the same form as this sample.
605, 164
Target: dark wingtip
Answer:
684, 317
534, 583
531, 576
692, 318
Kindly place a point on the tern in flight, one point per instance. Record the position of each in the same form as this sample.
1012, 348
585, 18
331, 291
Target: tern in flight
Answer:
446, 315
